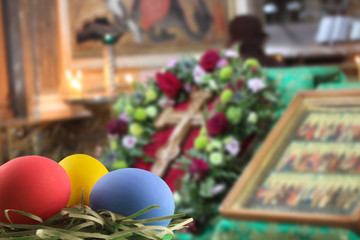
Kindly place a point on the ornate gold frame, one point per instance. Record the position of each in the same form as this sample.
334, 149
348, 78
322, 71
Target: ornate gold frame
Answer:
233, 205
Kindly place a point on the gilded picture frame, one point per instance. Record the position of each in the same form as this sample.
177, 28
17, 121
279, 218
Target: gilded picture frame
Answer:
303, 190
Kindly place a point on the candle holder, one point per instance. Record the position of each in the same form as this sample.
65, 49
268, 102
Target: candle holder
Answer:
101, 29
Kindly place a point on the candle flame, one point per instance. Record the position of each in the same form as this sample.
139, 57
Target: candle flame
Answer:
68, 74
75, 84
79, 74
357, 59
129, 78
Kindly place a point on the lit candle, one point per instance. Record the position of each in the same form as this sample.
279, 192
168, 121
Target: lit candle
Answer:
79, 75
129, 79
75, 84
357, 61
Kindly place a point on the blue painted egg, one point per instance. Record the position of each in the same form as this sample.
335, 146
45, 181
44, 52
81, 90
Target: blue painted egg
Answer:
129, 190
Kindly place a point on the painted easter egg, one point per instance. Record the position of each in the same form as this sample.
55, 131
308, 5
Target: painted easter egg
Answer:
129, 190
83, 171
32, 184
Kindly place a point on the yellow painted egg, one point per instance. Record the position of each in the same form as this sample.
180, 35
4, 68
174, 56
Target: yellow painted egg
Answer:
83, 171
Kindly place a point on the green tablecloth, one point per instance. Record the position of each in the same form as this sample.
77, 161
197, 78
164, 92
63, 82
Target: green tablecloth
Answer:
290, 81
207, 235
243, 230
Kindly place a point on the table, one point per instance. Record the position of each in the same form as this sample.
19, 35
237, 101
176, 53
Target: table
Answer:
246, 230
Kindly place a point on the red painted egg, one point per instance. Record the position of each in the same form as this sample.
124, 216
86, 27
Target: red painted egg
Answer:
33, 184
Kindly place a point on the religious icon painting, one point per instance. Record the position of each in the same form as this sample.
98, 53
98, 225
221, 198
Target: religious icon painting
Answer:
151, 26
308, 169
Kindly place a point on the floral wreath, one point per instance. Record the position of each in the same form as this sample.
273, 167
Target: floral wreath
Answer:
243, 103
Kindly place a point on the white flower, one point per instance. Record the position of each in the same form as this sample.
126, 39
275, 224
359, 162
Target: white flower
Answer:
233, 147
124, 117
151, 111
217, 189
187, 87
164, 101
198, 74
230, 53
256, 85
129, 141
213, 85
177, 198
171, 63
216, 158
252, 118
221, 63
145, 78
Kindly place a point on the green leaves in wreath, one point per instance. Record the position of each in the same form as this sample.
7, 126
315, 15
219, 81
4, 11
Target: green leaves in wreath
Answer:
206, 186
183, 69
270, 96
184, 161
193, 153
139, 87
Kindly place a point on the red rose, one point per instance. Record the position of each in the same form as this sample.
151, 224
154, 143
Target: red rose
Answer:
116, 127
217, 124
157, 141
209, 59
198, 168
229, 86
239, 85
169, 84
254, 69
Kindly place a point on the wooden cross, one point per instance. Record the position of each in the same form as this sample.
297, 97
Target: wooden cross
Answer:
183, 120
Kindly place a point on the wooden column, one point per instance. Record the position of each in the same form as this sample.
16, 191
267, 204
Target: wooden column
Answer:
39, 33
31, 32
41, 57
12, 13
4, 81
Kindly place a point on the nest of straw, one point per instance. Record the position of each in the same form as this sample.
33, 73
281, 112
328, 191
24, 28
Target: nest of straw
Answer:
80, 222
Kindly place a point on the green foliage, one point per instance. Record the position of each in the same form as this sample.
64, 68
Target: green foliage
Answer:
138, 87
251, 62
140, 114
136, 129
226, 96
201, 142
225, 73
270, 96
206, 187
234, 114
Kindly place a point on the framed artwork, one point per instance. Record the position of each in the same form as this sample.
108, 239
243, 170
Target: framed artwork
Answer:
155, 29
308, 169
